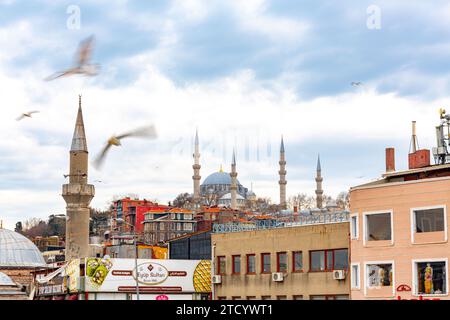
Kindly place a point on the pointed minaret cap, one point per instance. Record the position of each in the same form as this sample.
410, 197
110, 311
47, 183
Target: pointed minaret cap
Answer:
318, 163
282, 145
196, 136
233, 161
79, 137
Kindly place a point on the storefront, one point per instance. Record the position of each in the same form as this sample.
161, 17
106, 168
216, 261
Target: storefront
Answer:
118, 279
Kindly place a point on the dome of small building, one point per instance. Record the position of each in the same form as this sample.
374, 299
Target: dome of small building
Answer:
5, 280
227, 196
16, 251
219, 177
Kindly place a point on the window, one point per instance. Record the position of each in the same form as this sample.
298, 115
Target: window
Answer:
265, 262
297, 297
378, 226
355, 276
236, 262
251, 265
221, 298
379, 275
297, 261
281, 297
430, 277
281, 261
236, 298
188, 226
429, 220
221, 265
251, 297
329, 260
354, 231
329, 297
266, 297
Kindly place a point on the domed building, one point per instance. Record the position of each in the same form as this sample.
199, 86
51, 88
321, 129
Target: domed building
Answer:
219, 183
19, 257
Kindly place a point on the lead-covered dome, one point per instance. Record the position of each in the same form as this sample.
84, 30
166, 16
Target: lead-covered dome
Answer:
16, 251
218, 178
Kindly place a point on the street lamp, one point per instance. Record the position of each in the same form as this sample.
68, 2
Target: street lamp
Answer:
135, 253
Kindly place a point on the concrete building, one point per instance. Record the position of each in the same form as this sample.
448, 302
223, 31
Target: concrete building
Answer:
399, 231
78, 194
294, 260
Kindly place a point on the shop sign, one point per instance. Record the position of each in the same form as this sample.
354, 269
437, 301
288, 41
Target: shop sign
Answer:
151, 273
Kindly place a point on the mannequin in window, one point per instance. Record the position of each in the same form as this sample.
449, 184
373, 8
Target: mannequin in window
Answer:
381, 274
428, 279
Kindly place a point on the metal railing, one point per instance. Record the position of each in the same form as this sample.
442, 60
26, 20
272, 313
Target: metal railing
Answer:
322, 218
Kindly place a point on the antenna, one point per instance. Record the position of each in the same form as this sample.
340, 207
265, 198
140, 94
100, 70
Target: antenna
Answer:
440, 152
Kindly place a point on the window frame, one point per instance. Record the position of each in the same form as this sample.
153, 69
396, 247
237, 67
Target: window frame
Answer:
219, 269
326, 259
247, 264
294, 253
263, 254
354, 236
365, 227
366, 263
414, 278
413, 220
354, 276
278, 261
233, 270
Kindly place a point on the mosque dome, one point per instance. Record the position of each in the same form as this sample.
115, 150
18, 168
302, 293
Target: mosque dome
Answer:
219, 177
228, 197
16, 251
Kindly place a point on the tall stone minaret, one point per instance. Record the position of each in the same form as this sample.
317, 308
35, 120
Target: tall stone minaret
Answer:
196, 177
319, 179
233, 187
78, 194
282, 174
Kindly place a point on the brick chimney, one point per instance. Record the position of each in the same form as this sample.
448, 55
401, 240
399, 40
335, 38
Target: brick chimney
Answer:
390, 159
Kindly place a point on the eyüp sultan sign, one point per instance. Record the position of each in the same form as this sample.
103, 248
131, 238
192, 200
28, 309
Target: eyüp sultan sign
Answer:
153, 275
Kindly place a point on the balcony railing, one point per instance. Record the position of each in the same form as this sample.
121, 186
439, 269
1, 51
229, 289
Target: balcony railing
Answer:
322, 218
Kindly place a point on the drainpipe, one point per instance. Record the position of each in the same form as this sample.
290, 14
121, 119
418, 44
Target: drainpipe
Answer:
213, 270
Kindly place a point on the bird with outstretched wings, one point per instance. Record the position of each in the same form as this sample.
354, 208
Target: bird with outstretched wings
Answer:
26, 115
143, 132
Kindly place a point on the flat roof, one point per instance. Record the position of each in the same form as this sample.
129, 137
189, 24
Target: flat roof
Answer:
411, 171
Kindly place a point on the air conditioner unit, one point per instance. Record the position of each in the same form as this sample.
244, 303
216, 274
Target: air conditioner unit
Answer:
277, 276
216, 279
338, 274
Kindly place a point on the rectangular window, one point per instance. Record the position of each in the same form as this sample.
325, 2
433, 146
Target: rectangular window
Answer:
378, 226
265, 262
329, 297
221, 298
221, 265
430, 220
265, 297
297, 297
431, 277
251, 264
236, 262
329, 260
297, 261
355, 276
251, 297
354, 227
281, 297
236, 298
281, 261
379, 275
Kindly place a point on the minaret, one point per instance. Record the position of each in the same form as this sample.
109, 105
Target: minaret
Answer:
196, 177
319, 179
78, 194
233, 187
282, 174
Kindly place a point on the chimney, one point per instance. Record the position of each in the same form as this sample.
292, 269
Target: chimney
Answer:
390, 159
295, 209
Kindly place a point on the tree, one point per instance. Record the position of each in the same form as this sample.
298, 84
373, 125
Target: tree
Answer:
302, 201
343, 200
182, 200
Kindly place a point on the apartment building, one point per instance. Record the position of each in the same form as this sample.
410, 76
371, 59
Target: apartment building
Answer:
399, 232
307, 259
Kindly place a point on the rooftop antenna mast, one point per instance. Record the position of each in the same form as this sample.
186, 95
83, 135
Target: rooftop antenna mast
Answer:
440, 153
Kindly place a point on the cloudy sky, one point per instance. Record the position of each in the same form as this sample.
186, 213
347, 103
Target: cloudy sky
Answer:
242, 72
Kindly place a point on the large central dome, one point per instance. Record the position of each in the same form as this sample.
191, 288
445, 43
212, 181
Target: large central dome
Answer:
219, 177
16, 251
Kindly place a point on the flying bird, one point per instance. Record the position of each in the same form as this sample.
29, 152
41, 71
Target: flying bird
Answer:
143, 132
82, 62
26, 115
356, 84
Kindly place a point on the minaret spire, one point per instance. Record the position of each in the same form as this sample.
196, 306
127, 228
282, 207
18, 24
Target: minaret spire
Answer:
196, 177
78, 194
319, 179
282, 172
233, 187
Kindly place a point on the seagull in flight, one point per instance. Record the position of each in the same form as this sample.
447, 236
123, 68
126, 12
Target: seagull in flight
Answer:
356, 84
26, 115
82, 62
143, 132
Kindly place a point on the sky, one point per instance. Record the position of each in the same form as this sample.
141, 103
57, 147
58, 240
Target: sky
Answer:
243, 73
